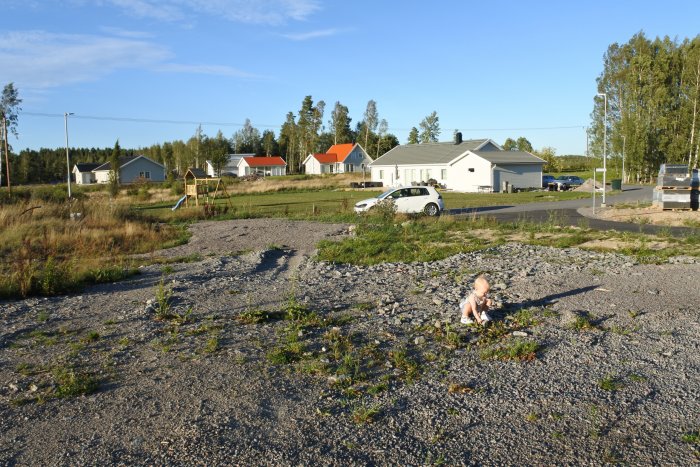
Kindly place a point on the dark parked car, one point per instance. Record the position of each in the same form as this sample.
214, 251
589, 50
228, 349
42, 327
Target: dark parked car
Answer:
572, 180
546, 180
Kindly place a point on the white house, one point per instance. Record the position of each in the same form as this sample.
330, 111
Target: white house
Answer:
132, 169
84, 174
339, 158
231, 166
469, 166
265, 166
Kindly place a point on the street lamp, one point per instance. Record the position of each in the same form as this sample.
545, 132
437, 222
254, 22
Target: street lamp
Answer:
65, 118
624, 140
605, 141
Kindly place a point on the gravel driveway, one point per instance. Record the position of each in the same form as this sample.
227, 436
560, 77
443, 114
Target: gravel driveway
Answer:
374, 368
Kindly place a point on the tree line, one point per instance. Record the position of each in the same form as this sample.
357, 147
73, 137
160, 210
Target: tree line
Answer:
649, 92
301, 134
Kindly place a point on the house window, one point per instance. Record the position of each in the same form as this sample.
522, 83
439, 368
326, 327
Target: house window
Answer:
427, 174
381, 175
148, 175
443, 174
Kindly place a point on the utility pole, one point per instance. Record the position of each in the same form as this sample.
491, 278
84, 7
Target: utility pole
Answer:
7, 157
65, 118
624, 141
605, 141
2, 138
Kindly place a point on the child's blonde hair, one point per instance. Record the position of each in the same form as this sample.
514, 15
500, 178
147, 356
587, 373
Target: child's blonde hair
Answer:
481, 280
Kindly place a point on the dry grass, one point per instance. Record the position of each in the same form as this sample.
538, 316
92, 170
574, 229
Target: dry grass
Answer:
294, 182
43, 251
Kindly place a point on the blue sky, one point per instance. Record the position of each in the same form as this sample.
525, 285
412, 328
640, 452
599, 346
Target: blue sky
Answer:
493, 69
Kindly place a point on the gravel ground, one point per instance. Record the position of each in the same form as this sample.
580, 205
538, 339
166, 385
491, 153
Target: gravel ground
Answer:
382, 373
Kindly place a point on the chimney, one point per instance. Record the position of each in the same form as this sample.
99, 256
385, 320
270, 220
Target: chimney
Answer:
458, 137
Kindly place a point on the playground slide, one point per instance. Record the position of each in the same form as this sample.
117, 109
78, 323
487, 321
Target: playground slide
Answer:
181, 200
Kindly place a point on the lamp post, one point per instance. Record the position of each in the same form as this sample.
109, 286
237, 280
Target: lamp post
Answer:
65, 119
624, 140
605, 141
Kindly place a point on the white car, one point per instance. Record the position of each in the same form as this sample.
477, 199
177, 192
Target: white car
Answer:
408, 199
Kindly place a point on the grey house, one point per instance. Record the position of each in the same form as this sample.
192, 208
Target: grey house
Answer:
461, 165
132, 169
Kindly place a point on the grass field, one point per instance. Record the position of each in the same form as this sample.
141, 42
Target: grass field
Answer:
44, 252
329, 203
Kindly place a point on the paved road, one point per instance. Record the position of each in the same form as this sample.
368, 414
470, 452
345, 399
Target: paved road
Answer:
577, 212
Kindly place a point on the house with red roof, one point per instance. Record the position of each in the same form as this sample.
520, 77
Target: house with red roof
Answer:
265, 166
340, 158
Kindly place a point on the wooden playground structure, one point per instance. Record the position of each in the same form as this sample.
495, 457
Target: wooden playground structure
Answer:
199, 185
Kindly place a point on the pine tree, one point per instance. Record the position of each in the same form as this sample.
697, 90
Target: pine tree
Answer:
114, 170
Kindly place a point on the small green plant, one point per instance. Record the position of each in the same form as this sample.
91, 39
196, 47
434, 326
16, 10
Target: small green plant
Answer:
401, 360
182, 318
525, 318
377, 388
212, 345
621, 330
519, 350
692, 437
611, 383
92, 336
163, 297
363, 306
364, 414
532, 417
290, 351
584, 322
301, 314
167, 270
43, 316
259, 316
70, 383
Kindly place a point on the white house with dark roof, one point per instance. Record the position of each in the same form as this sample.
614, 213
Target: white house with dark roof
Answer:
264, 165
83, 173
131, 169
473, 165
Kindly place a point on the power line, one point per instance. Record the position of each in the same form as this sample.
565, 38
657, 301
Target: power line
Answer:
144, 120
235, 124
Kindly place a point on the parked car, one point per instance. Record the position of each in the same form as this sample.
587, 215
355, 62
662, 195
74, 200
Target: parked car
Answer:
546, 180
407, 199
572, 180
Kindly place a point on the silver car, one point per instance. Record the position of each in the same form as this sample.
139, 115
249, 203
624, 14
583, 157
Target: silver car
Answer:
407, 199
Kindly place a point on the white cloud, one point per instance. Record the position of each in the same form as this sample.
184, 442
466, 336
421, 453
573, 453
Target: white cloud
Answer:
41, 60
167, 10
305, 36
269, 12
126, 33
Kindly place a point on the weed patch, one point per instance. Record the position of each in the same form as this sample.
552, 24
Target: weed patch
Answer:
519, 350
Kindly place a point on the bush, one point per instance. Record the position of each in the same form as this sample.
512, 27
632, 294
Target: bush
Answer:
177, 188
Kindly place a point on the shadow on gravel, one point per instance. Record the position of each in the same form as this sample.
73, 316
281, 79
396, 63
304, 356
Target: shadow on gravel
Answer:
270, 260
549, 299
